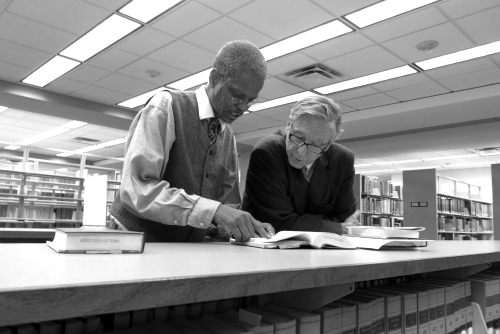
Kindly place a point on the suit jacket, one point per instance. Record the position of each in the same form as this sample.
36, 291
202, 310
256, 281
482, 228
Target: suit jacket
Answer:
279, 194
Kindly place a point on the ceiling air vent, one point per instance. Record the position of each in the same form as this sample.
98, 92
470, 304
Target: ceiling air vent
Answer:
314, 75
87, 140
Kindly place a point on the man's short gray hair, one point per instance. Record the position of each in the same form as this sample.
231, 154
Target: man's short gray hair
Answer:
238, 56
321, 107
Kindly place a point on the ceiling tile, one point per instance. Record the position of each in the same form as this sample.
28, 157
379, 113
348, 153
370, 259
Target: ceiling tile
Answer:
111, 132
193, 16
418, 91
363, 62
405, 24
288, 63
459, 8
483, 27
65, 86
240, 128
214, 35
138, 70
87, 73
224, 6
184, 56
109, 4
338, 46
271, 112
461, 68
36, 126
370, 101
113, 59
73, 16
448, 36
21, 131
124, 84
15, 114
269, 18
354, 93
257, 121
4, 121
145, 41
20, 55
102, 95
282, 118
471, 80
342, 7
274, 88
13, 73
345, 108
53, 121
33, 34
409, 80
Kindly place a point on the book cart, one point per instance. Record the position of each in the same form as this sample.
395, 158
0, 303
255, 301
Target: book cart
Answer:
449, 209
380, 204
38, 285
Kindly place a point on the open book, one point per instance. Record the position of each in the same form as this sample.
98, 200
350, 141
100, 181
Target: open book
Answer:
385, 232
296, 239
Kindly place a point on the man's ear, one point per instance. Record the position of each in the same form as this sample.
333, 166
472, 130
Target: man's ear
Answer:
214, 77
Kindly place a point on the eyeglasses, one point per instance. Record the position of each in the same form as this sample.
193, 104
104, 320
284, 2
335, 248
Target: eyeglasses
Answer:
299, 142
238, 100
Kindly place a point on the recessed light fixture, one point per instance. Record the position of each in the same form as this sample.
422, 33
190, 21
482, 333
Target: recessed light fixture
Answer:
460, 56
106, 33
12, 147
281, 101
367, 79
384, 10
110, 143
146, 10
141, 99
50, 133
2, 109
307, 38
50, 71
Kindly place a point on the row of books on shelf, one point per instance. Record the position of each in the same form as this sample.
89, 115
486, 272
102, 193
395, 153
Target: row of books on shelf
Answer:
456, 224
382, 221
371, 185
457, 236
463, 207
11, 210
33, 223
381, 205
425, 306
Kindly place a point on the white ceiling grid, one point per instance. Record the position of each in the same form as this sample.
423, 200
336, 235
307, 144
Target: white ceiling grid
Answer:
184, 41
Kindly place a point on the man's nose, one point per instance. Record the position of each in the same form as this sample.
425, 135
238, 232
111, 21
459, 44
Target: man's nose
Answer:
302, 150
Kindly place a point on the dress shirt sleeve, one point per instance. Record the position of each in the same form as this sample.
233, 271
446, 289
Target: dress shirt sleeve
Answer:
143, 192
267, 195
230, 194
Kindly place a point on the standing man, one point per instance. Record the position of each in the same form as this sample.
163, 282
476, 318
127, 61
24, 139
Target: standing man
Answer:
301, 180
181, 170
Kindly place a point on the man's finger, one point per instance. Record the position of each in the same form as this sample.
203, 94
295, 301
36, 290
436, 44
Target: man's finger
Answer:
353, 217
236, 234
259, 228
269, 228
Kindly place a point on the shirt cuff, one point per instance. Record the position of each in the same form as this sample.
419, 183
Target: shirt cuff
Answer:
203, 213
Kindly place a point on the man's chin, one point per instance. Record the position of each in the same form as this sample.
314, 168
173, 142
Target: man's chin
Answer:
294, 163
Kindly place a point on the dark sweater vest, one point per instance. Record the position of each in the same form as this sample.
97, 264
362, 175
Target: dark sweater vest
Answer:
194, 165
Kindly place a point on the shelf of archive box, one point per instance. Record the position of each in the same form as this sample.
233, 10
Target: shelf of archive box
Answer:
381, 196
463, 198
462, 216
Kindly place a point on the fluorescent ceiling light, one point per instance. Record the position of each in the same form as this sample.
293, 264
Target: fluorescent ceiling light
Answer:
50, 71
52, 132
106, 33
64, 155
281, 101
378, 171
457, 57
367, 80
363, 165
146, 10
12, 147
303, 40
140, 100
94, 147
452, 157
191, 81
2, 109
384, 10
489, 153
417, 168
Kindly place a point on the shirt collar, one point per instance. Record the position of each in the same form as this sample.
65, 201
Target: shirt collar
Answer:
205, 110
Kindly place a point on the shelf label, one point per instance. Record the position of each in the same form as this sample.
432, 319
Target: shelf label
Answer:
419, 204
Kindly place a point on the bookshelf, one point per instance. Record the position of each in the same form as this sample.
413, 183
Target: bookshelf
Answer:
380, 202
449, 209
43, 285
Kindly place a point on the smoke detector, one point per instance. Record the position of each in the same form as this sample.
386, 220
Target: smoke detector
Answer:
313, 74
152, 73
427, 46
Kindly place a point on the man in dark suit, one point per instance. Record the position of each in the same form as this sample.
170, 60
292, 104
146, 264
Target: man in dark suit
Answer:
301, 180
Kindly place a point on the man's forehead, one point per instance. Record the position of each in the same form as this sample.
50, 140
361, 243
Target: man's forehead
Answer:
309, 126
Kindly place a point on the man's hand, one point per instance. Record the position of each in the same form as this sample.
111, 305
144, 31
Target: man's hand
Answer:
241, 224
352, 220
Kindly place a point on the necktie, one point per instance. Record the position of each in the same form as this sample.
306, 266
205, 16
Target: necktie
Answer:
213, 125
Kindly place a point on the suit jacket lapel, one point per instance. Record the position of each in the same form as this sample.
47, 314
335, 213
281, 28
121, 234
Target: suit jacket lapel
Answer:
319, 182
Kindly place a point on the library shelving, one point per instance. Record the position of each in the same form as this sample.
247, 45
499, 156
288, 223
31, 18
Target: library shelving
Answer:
449, 209
379, 202
46, 286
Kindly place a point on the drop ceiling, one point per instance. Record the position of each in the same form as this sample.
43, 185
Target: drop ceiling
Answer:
452, 108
